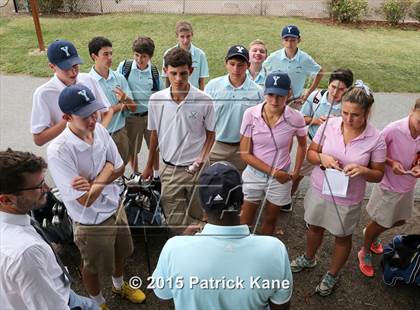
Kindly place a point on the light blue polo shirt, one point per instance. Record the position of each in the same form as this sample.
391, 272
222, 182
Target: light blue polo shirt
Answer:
223, 253
299, 68
230, 104
320, 109
199, 63
141, 84
260, 78
114, 80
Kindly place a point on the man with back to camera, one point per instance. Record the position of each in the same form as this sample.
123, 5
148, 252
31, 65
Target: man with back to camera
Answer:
32, 275
224, 266
46, 118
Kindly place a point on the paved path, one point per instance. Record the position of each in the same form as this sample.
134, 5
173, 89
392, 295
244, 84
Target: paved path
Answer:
16, 103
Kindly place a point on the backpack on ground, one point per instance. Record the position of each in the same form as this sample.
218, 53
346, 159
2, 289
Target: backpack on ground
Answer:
401, 260
126, 70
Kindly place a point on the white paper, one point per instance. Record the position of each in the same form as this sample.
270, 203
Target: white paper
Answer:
338, 182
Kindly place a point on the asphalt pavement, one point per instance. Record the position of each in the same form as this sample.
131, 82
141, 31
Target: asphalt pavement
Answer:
16, 104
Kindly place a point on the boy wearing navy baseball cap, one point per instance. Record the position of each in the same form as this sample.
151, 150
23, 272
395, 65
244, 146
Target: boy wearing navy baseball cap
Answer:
295, 62
46, 119
232, 93
84, 161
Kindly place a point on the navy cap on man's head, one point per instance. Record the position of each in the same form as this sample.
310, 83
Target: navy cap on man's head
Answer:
79, 100
221, 188
278, 83
238, 51
290, 31
63, 54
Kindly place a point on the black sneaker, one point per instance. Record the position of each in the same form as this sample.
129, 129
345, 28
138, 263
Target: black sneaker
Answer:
156, 184
286, 208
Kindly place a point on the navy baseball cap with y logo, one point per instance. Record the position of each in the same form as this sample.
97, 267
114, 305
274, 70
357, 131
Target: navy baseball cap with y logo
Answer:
237, 51
277, 83
63, 54
290, 31
79, 100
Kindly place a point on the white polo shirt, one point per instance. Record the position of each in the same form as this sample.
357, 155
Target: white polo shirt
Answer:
69, 157
45, 109
181, 128
29, 273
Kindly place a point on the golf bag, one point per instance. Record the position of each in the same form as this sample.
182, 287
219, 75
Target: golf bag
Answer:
401, 260
141, 203
54, 219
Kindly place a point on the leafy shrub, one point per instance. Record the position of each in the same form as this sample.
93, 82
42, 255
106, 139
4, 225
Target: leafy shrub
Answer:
415, 10
395, 11
347, 11
50, 6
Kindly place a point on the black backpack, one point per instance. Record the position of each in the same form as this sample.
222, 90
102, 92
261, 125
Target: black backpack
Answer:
126, 70
401, 260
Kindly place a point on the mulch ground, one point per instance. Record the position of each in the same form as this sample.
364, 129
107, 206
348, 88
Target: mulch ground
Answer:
354, 291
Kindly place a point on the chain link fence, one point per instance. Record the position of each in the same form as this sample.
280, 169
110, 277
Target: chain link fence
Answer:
305, 8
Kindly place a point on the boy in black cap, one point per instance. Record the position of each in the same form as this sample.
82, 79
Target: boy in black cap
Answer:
224, 266
232, 94
295, 62
84, 162
46, 119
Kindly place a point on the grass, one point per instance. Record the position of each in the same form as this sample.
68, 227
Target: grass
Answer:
386, 58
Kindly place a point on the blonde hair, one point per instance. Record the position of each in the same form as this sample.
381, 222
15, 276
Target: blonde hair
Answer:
183, 26
260, 42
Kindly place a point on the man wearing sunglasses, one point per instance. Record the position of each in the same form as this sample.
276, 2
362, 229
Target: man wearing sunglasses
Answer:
31, 274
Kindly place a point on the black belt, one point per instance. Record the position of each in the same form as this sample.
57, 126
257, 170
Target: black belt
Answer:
230, 143
171, 164
140, 114
113, 133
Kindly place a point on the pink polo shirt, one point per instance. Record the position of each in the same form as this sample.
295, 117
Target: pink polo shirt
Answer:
369, 146
401, 146
272, 146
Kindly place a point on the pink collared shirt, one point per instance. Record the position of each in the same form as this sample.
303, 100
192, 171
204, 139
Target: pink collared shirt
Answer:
369, 146
401, 146
272, 146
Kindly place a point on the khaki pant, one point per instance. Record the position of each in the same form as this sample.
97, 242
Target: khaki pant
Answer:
100, 244
121, 140
226, 152
179, 198
137, 129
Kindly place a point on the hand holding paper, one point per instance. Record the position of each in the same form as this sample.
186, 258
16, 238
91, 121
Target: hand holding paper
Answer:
338, 183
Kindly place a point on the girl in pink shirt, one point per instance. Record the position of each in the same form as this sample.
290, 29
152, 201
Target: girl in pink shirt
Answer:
392, 201
266, 132
347, 150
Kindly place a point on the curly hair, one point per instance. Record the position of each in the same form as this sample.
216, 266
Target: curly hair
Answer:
13, 166
178, 57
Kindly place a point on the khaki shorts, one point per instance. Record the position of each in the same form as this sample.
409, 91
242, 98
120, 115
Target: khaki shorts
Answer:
100, 244
137, 129
121, 140
386, 207
179, 198
226, 152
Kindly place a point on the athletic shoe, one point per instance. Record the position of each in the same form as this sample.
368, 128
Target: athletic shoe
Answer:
301, 262
376, 246
286, 208
326, 286
365, 263
135, 295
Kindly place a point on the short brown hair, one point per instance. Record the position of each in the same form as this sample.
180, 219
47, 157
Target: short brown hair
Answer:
13, 167
144, 45
178, 57
183, 26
